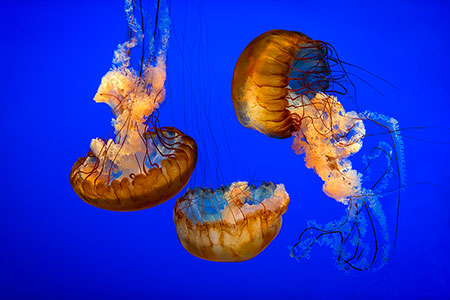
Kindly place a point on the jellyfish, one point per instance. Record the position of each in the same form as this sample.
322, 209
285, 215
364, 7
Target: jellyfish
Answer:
232, 223
286, 84
275, 69
143, 164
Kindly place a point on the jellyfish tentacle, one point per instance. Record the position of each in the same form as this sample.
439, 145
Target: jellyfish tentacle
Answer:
285, 84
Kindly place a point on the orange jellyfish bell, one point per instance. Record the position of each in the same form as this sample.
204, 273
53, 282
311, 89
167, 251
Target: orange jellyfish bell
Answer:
157, 176
232, 223
274, 70
142, 165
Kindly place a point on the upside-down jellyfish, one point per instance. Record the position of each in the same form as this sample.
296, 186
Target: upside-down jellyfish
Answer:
285, 84
143, 165
232, 223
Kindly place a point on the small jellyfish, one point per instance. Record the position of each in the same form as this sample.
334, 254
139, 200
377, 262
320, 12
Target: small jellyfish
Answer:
232, 223
143, 165
286, 85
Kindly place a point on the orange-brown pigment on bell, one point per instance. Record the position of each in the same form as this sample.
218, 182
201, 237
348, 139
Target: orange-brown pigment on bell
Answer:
260, 82
145, 188
231, 224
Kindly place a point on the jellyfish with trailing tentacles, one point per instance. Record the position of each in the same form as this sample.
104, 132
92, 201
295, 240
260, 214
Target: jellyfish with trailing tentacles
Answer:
232, 223
286, 84
143, 165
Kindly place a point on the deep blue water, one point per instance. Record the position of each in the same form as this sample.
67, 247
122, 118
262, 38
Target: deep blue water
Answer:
55, 246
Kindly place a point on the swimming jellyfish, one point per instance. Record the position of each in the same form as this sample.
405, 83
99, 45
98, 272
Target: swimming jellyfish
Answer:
286, 85
232, 223
143, 165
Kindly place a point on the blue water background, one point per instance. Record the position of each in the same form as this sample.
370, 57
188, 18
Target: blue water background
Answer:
55, 246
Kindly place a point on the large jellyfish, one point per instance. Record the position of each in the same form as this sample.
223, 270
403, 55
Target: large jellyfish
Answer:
286, 84
143, 165
232, 223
